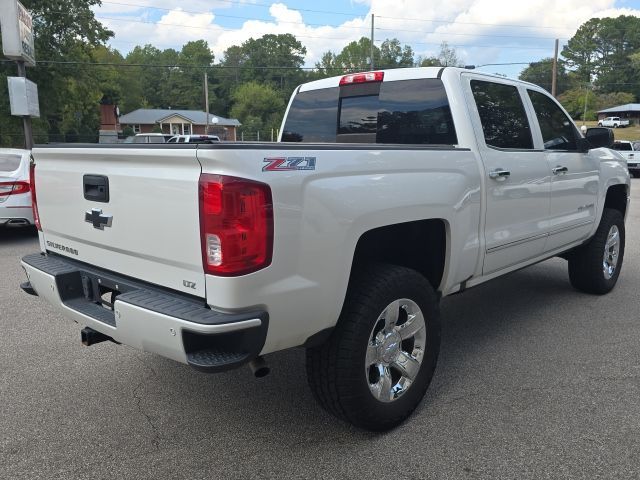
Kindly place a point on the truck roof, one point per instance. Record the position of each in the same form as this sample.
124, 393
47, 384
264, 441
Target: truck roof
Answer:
402, 74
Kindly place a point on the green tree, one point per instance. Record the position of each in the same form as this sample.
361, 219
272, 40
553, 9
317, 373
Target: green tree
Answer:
540, 73
600, 51
356, 56
274, 60
394, 55
257, 106
65, 30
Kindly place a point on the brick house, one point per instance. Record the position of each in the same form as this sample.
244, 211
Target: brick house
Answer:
179, 122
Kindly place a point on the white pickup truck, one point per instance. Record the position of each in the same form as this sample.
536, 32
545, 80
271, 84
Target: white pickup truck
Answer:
387, 191
613, 122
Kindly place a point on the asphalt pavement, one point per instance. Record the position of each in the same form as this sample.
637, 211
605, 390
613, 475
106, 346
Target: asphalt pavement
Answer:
535, 380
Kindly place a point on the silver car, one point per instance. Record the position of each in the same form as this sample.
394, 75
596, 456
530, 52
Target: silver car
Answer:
15, 190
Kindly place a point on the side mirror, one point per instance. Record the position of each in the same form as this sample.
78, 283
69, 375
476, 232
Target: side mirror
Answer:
599, 137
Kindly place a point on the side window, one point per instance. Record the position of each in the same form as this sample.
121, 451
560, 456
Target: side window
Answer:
181, 140
558, 131
502, 115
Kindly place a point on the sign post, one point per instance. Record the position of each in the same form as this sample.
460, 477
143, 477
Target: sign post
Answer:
16, 24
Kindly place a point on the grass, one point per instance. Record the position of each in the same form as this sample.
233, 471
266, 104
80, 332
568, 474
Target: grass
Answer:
631, 132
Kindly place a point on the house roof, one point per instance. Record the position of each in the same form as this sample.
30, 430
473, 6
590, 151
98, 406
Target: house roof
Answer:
150, 116
629, 107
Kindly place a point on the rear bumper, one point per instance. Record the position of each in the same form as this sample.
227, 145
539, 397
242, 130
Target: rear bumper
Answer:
146, 317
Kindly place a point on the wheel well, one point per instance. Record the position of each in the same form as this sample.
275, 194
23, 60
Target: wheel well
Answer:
617, 198
420, 245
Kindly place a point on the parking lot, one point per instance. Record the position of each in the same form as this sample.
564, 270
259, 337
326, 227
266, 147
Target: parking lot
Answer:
535, 380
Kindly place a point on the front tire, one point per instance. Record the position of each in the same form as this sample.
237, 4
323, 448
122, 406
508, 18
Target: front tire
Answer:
595, 267
377, 365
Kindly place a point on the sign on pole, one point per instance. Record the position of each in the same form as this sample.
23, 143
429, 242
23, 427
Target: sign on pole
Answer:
17, 32
23, 97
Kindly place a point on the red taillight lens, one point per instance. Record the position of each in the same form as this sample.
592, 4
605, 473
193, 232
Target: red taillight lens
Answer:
362, 78
236, 225
13, 188
34, 202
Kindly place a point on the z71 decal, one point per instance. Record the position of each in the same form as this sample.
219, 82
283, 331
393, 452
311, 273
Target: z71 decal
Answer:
286, 164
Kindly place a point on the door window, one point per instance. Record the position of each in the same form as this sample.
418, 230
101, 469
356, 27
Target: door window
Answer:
558, 131
502, 115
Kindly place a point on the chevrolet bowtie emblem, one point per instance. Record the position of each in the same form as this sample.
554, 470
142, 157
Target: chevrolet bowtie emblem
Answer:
97, 219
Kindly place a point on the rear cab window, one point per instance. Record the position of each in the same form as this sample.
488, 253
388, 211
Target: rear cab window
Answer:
407, 112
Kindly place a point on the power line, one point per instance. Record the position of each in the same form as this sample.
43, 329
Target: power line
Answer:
470, 23
330, 12
236, 2
216, 28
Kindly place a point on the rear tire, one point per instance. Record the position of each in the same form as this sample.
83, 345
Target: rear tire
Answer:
595, 267
377, 365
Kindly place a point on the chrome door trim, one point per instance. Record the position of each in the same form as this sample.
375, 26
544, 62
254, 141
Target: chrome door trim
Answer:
517, 242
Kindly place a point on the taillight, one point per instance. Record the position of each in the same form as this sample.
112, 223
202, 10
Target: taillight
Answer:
236, 225
34, 202
13, 188
365, 77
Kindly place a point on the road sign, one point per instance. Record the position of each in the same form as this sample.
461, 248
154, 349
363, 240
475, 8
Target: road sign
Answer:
17, 32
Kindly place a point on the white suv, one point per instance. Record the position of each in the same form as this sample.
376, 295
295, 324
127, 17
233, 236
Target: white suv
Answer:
15, 189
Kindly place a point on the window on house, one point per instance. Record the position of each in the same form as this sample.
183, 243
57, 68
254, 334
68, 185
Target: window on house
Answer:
136, 128
186, 127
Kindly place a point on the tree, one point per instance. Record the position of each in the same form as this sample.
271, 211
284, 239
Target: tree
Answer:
599, 52
65, 30
393, 55
257, 106
356, 56
540, 73
448, 56
274, 60
575, 99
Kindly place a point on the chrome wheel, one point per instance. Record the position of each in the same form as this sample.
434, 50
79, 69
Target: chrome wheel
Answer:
611, 252
395, 350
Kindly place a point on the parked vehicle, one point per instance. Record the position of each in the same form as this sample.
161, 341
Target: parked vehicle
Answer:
613, 122
148, 138
628, 150
194, 139
15, 188
389, 190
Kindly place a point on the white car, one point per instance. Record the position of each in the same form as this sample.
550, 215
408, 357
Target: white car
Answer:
628, 150
194, 139
15, 189
613, 122
148, 138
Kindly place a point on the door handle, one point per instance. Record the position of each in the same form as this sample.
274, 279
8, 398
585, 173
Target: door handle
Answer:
558, 170
499, 174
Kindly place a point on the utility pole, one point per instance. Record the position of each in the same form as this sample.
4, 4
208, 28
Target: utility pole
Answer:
206, 102
26, 120
554, 74
372, 18
586, 95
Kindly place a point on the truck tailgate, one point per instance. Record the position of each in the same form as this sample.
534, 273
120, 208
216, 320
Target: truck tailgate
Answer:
148, 228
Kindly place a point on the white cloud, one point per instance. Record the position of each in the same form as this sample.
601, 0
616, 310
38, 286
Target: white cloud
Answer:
483, 31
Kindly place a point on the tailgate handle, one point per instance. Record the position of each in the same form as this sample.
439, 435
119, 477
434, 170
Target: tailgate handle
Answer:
96, 188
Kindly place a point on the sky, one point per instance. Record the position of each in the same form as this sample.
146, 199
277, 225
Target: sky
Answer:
483, 32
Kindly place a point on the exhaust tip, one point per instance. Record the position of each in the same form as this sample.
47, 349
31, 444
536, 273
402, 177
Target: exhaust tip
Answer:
259, 367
